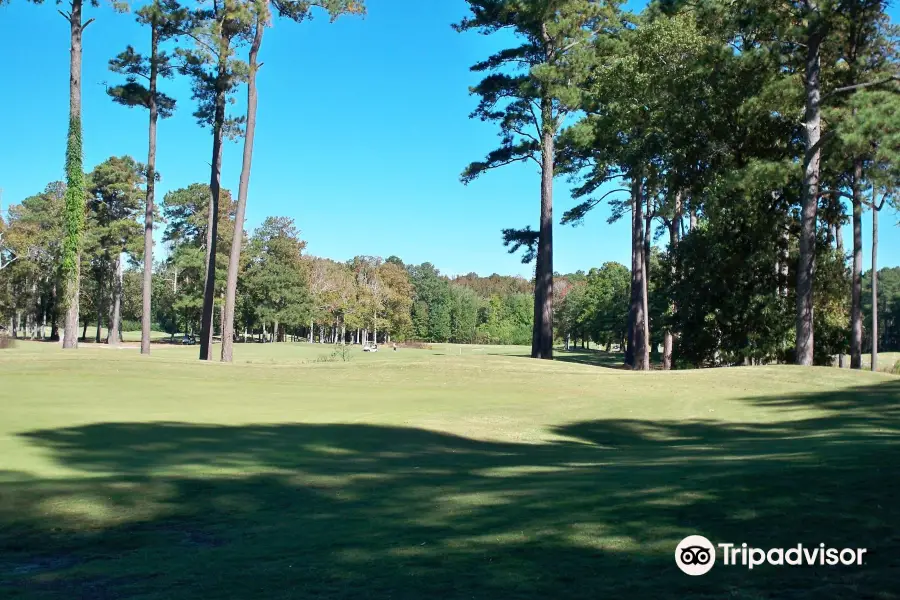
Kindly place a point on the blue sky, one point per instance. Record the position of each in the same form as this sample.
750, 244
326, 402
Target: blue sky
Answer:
363, 130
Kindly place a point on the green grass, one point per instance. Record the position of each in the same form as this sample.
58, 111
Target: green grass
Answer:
441, 473
127, 336
886, 361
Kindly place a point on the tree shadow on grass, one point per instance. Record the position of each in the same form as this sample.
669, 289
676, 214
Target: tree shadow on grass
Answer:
180, 510
596, 358
582, 356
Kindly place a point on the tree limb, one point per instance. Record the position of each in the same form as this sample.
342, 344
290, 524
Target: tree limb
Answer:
576, 214
9, 262
835, 193
859, 86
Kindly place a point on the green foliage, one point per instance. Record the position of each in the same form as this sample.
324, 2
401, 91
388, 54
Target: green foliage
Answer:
31, 250
464, 306
595, 306
832, 304
115, 203
166, 19
73, 214
888, 310
396, 299
527, 88
211, 65
431, 303
275, 278
185, 211
730, 299
507, 320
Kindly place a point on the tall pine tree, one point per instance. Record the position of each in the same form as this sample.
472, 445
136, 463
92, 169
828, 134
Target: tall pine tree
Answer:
527, 92
165, 18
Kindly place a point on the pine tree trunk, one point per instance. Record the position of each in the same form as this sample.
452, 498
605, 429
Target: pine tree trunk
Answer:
54, 315
856, 275
147, 284
874, 285
212, 222
674, 228
234, 260
29, 323
636, 342
668, 344
75, 192
542, 336
221, 318
839, 246
101, 270
806, 268
645, 264
114, 325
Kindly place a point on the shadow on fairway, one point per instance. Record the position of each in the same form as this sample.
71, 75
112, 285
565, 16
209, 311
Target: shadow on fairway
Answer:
178, 510
582, 356
596, 358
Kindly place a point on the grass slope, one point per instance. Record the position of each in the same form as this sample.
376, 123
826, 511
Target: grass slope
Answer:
441, 473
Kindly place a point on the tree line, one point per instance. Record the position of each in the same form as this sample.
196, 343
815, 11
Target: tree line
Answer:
285, 293
735, 130
282, 292
593, 307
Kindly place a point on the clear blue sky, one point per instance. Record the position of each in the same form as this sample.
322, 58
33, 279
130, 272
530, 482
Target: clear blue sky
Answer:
363, 130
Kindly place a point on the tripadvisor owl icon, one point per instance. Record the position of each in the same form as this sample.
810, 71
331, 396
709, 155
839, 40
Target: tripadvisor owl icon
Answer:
695, 555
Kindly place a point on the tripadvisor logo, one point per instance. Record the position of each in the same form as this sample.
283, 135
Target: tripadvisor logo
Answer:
696, 555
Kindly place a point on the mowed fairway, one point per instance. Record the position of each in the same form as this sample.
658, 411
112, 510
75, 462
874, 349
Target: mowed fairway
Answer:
441, 473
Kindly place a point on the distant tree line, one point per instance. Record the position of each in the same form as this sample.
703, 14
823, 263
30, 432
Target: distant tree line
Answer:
282, 292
